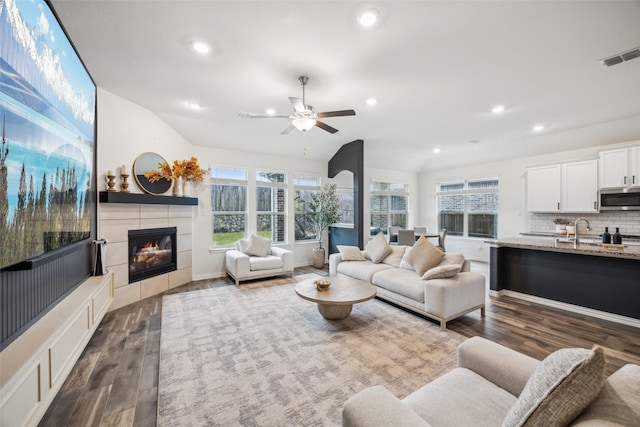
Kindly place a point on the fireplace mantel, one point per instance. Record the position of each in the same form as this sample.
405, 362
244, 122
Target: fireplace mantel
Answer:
145, 199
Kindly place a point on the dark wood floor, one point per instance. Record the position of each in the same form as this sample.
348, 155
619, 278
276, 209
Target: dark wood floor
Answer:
114, 383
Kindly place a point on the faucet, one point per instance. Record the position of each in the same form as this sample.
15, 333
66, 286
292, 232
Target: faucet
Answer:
576, 240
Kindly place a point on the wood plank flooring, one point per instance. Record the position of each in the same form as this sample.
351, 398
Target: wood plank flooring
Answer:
114, 383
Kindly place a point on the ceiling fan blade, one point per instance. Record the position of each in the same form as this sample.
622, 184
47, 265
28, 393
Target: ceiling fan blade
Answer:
326, 127
297, 103
287, 130
337, 113
260, 116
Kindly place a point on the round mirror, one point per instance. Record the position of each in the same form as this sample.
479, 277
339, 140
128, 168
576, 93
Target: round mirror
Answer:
147, 162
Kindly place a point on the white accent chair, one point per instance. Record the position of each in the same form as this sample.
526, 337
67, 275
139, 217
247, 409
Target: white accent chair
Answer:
241, 266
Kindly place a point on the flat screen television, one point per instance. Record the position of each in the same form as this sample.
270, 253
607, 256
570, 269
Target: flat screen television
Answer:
48, 119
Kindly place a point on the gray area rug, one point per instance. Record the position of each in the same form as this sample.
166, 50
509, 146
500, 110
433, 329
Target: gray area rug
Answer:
258, 355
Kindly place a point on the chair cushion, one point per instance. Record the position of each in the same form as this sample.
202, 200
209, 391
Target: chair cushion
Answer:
258, 246
442, 271
560, 388
377, 249
395, 257
242, 245
350, 253
264, 262
423, 256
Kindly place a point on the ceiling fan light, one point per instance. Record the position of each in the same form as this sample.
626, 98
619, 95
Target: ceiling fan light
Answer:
368, 17
303, 123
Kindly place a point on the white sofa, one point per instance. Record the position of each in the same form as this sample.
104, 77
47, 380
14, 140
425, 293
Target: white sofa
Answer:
243, 264
493, 385
442, 299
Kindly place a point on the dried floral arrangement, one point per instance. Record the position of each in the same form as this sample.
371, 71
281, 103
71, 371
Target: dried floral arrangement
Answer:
190, 170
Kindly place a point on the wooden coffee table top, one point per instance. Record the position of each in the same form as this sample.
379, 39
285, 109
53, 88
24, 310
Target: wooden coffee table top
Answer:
343, 291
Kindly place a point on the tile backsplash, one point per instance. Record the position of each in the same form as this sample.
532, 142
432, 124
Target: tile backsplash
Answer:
627, 221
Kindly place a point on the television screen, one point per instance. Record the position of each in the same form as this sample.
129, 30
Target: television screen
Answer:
48, 112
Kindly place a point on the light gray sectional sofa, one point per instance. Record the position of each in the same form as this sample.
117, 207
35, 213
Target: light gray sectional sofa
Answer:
495, 386
442, 288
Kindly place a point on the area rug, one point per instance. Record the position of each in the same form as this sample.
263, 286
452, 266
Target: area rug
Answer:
258, 355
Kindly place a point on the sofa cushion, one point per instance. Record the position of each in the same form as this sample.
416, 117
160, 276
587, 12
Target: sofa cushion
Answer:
258, 246
377, 249
618, 403
350, 253
451, 258
423, 256
403, 282
264, 262
395, 257
363, 270
461, 397
561, 387
442, 271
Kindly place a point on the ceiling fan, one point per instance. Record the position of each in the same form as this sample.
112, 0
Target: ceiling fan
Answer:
304, 117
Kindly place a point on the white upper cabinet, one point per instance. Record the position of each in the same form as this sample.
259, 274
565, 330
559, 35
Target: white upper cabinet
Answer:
543, 188
563, 187
620, 168
580, 186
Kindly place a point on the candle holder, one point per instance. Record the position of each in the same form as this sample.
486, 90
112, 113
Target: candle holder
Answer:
111, 183
125, 185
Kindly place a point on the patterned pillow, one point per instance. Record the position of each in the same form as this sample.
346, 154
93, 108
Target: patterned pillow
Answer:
560, 388
350, 253
378, 248
258, 246
442, 271
423, 256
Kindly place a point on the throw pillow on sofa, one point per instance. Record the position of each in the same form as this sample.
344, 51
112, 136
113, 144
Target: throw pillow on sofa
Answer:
423, 256
242, 245
377, 249
395, 257
442, 271
258, 246
350, 253
560, 388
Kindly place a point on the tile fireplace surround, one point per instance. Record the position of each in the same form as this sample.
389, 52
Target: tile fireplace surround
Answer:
115, 221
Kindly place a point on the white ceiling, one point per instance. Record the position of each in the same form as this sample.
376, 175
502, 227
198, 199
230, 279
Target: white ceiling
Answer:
436, 67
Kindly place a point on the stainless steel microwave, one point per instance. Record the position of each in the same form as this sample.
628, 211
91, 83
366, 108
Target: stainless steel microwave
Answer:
627, 199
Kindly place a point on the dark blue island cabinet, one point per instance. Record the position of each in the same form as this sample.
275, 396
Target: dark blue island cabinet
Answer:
587, 276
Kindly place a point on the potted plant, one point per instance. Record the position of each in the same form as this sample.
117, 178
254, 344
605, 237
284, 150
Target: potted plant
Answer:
325, 211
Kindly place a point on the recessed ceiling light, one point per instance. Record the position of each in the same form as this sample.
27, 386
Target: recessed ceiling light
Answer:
368, 17
538, 128
200, 47
497, 109
436, 150
194, 105
270, 112
371, 101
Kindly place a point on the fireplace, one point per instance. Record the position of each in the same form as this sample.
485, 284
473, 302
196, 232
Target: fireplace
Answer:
151, 252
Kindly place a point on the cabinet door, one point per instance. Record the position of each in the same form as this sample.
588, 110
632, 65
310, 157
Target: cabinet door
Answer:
543, 189
613, 168
634, 153
580, 186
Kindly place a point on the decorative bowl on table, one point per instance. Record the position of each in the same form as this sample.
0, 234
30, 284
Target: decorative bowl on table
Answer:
323, 285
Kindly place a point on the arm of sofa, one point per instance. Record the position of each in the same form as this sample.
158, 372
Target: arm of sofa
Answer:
506, 368
286, 256
452, 295
237, 263
334, 260
377, 407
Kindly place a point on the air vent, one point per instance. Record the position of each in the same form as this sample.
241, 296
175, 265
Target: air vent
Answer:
621, 57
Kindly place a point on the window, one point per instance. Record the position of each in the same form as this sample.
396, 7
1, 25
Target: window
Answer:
389, 206
228, 205
345, 196
305, 188
271, 197
469, 207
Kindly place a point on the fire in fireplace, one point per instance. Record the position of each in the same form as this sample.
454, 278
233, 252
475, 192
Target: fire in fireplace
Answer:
151, 252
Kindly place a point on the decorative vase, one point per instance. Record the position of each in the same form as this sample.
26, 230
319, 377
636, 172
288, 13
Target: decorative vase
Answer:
186, 188
318, 257
177, 187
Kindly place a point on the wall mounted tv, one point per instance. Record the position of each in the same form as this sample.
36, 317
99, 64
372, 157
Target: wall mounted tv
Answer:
47, 157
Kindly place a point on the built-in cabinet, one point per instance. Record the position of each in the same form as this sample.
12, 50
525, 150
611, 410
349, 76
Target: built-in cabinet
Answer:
563, 187
620, 168
35, 365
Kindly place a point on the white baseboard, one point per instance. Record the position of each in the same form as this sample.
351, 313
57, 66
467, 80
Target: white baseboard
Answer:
569, 307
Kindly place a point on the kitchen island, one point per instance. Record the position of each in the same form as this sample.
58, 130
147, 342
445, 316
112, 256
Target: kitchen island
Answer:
593, 276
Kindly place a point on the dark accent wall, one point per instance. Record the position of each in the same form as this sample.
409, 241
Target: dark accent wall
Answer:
350, 157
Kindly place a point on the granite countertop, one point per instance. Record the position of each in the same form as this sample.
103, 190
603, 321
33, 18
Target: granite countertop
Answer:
595, 237
595, 249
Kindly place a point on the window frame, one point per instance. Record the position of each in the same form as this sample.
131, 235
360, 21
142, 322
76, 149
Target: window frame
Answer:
272, 213
296, 213
386, 189
227, 181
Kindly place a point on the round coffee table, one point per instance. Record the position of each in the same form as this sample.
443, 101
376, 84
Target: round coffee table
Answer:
336, 302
